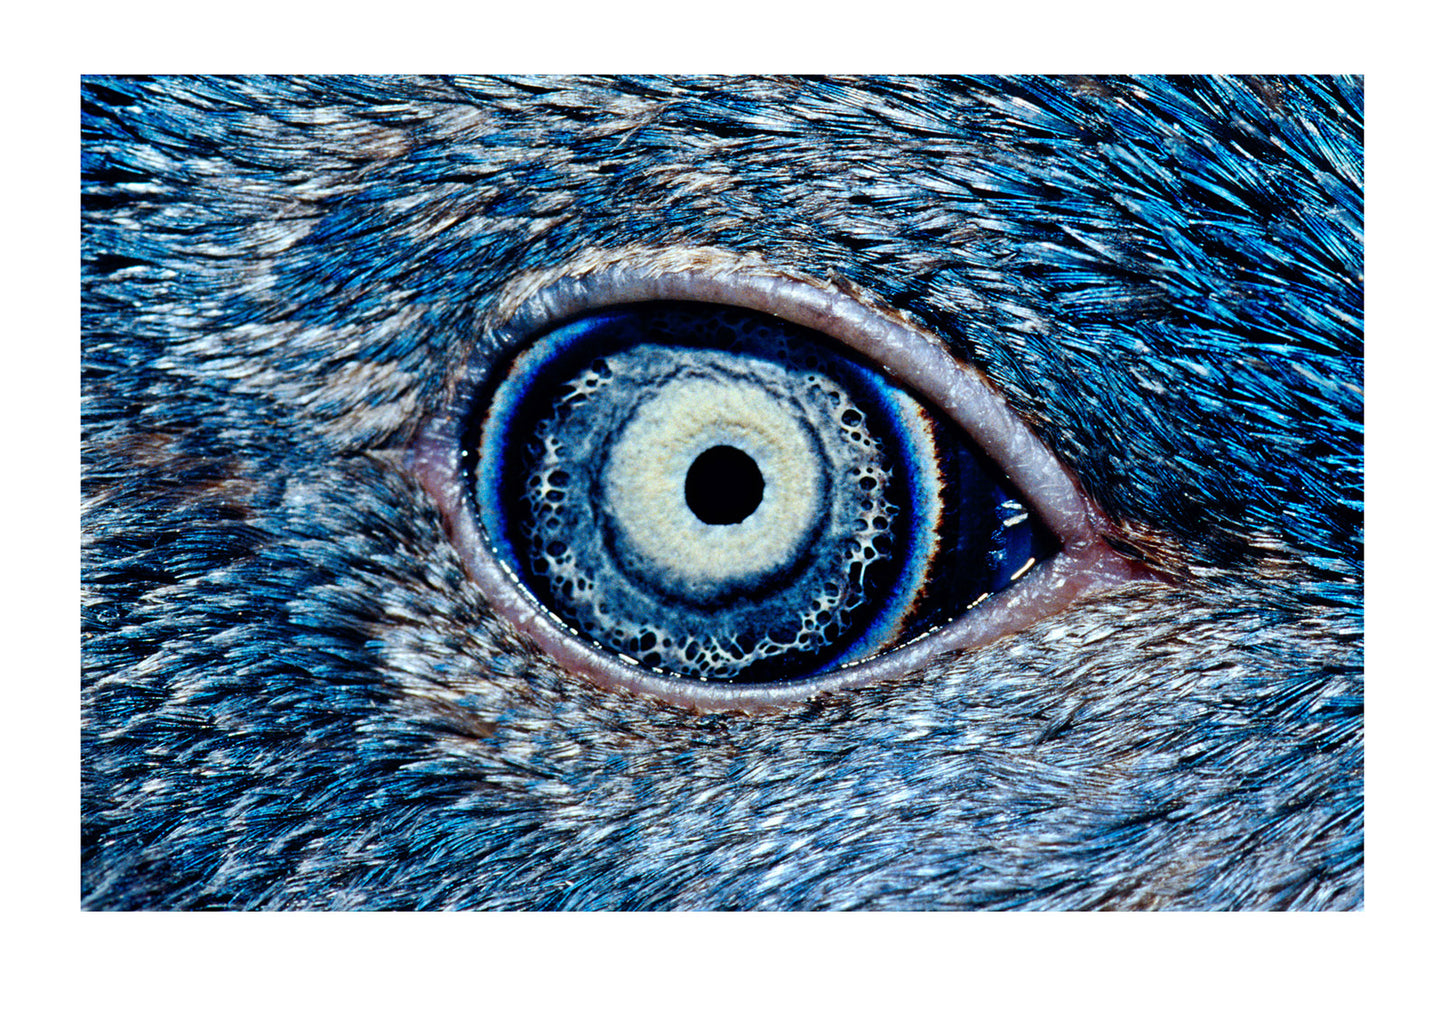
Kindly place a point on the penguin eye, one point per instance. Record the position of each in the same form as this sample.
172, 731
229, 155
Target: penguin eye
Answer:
718, 494
745, 502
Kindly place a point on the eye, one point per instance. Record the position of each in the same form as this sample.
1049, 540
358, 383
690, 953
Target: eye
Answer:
739, 502
719, 494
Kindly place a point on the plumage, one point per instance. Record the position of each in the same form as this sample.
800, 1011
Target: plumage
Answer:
293, 696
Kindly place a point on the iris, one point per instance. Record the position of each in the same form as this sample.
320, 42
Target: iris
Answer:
722, 495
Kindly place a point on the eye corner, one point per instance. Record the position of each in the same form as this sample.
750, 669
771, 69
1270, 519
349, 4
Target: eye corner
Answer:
1137, 553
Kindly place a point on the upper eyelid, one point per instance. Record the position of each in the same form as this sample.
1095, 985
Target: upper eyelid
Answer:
908, 354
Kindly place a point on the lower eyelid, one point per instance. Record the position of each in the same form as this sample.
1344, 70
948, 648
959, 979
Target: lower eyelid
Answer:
1085, 564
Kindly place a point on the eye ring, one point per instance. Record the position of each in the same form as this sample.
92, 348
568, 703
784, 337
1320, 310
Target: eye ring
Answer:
916, 359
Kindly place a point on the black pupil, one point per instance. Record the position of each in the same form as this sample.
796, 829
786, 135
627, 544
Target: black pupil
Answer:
724, 486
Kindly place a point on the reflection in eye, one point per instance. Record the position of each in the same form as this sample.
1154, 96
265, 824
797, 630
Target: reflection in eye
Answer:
718, 494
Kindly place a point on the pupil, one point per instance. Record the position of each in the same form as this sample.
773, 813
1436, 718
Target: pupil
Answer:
724, 486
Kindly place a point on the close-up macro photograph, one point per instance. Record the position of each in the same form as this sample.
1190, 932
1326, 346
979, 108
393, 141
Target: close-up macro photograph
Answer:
748, 492
589, 533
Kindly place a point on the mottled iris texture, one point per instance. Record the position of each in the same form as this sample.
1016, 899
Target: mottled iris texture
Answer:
292, 695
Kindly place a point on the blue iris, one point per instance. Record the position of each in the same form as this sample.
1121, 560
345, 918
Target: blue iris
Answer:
719, 494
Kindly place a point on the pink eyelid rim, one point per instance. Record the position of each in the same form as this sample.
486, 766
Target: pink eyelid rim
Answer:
1085, 564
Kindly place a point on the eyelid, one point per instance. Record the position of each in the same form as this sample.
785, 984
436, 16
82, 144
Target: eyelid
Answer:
911, 356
